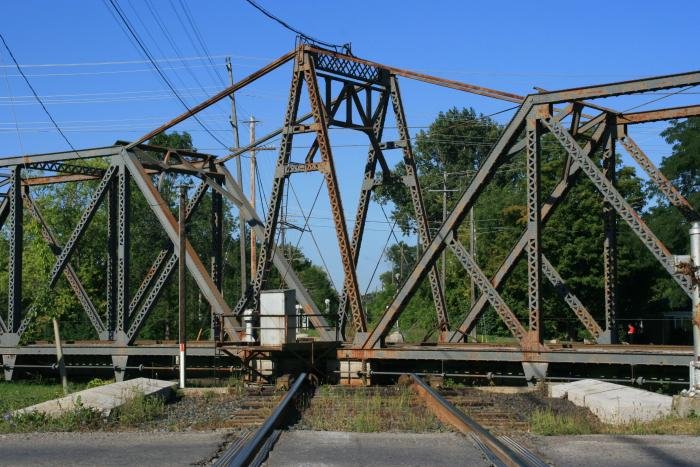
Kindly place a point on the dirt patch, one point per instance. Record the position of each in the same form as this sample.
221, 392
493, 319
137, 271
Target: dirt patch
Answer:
211, 411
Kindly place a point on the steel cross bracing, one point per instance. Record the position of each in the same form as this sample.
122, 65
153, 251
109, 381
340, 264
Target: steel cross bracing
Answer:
583, 128
535, 113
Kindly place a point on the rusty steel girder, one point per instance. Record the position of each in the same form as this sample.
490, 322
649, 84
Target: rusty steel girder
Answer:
137, 162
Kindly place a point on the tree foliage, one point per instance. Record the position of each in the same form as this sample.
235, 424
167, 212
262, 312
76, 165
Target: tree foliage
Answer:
62, 205
447, 156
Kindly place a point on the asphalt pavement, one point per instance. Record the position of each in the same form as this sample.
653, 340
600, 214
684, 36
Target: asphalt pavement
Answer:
619, 451
109, 448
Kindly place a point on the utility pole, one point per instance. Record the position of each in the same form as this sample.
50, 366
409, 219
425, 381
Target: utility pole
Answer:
444, 217
59, 357
444, 192
253, 171
695, 313
239, 174
181, 283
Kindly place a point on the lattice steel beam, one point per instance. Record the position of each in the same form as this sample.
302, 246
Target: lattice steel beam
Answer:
487, 289
454, 219
664, 185
60, 156
111, 266
61, 167
610, 240
413, 185
123, 246
551, 202
532, 247
169, 224
158, 274
68, 272
267, 243
16, 240
572, 300
81, 226
376, 121
334, 198
626, 212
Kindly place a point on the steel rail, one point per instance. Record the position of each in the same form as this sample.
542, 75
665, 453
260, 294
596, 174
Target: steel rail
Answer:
450, 414
244, 455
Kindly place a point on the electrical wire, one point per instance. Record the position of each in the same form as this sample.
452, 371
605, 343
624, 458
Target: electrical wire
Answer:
302, 35
14, 113
665, 96
36, 95
155, 65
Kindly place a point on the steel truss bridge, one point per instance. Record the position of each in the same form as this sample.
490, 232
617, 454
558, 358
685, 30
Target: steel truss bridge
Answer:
338, 88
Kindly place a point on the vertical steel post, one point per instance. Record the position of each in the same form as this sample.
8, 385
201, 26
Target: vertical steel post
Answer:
123, 253
695, 257
534, 257
14, 290
111, 272
335, 201
610, 242
472, 251
239, 174
181, 281
376, 121
217, 244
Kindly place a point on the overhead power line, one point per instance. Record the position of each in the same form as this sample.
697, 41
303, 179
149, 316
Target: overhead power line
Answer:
303, 36
36, 94
153, 62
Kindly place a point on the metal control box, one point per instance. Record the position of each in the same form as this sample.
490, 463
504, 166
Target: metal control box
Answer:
277, 317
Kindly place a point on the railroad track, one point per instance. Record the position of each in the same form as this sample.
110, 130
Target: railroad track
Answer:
260, 421
500, 451
487, 413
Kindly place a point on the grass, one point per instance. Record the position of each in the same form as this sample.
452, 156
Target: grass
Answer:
546, 422
17, 395
138, 410
368, 410
20, 394
79, 419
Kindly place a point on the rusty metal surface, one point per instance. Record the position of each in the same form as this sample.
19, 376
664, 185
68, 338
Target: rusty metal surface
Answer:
449, 414
321, 71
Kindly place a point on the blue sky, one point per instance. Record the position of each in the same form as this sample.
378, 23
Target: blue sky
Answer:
103, 90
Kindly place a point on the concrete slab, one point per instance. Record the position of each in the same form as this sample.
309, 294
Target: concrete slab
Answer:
614, 403
104, 398
686, 406
330, 448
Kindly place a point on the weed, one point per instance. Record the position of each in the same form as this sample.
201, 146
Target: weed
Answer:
97, 382
546, 422
139, 409
367, 410
81, 418
236, 385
